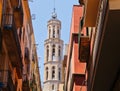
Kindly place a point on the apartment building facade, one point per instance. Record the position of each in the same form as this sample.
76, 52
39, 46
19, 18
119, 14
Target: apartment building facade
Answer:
16, 45
101, 18
96, 46
75, 70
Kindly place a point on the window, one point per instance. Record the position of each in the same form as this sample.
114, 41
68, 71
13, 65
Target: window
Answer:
53, 53
59, 51
53, 87
26, 52
49, 32
53, 72
47, 54
76, 38
23, 33
59, 73
20, 33
53, 31
28, 68
87, 33
46, 73
53, 27
58, 31
33, 57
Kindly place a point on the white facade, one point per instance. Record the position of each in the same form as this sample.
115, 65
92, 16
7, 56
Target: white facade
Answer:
53, 56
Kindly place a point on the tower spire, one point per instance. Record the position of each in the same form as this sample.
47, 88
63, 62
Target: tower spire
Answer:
54, 14
54, 5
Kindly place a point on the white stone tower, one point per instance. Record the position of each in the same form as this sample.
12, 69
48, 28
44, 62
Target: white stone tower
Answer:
53, 55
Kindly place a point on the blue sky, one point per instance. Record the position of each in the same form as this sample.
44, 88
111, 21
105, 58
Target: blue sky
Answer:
43, 10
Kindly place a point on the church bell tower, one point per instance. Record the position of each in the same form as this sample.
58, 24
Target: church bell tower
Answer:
53, 55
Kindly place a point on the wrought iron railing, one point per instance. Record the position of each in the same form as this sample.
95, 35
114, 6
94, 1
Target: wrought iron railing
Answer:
6, 80
3, 78
10, 84
7, 21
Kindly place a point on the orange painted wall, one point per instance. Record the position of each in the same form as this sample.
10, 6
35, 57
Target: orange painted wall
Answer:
76, 16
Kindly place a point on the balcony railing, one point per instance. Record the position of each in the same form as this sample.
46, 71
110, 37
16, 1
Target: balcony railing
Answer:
16, 4
17, 12
3, 78
25, 84
7, 21
10, 30
10, 84
6, 80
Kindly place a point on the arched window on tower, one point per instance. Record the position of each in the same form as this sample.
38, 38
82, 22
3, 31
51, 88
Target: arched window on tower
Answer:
47, 53
53, 72
53, 87
53, 53
46, 73
53, 31
58, 31
49, 31
59, 52
59, 74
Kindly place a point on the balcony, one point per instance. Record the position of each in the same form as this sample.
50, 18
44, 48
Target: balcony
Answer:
3, 78
33, 84
15, 3
10, 36
8, 21
25, 86
10, 84
18, 17
17, 12
84, 48
6, 81
106, 72
91, 8
78, 81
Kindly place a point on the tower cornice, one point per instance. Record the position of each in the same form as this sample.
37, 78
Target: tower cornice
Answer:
53, 62
53, 40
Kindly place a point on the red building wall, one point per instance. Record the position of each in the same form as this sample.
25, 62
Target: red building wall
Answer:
75, 72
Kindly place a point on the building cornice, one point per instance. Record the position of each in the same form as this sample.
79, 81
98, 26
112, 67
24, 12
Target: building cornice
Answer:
53, 40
